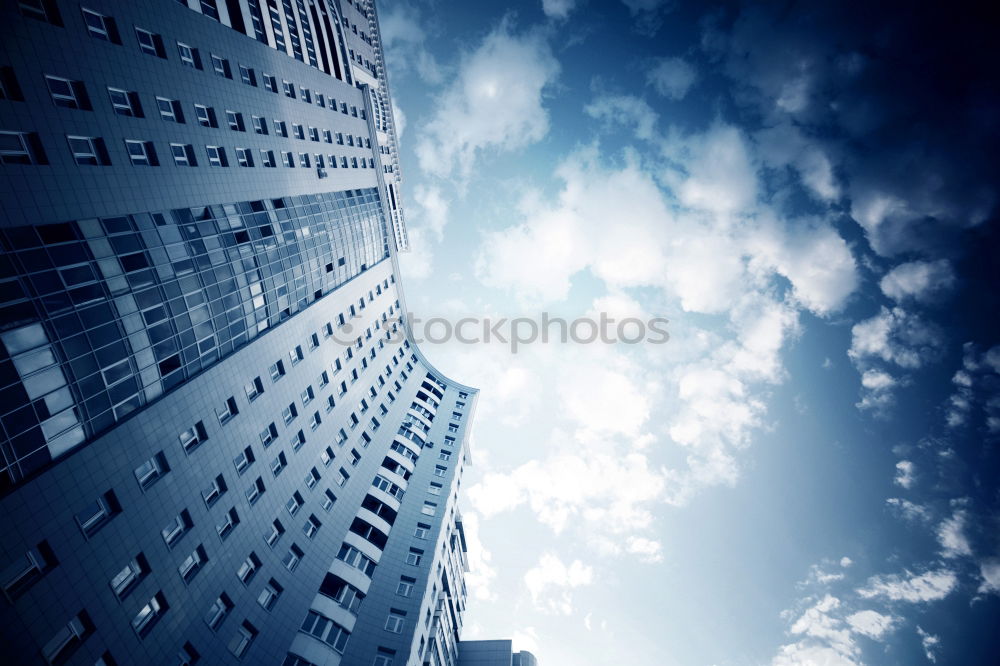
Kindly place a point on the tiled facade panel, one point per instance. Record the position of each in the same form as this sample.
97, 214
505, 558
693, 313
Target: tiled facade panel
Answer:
134, 305
64, 190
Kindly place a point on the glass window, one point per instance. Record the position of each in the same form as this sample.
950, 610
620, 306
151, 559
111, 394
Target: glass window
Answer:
141, 153
150, 43
170, 109
100, 26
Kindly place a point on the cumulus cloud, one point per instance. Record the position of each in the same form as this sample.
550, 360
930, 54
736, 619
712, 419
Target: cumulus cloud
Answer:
871, 623
989, 570
818, 622
719, 174
626, 110
399, 119
405, 40
479, 578
418, 263
928, 586
824, 73
538, 258
558, 9
604, 400
648, 550
672, 77
906, 474
494, 103
909, 510
877, 390
551, 583
824, 638
815, 259
785, 146
918, 280
893, 337
434, 208
610, 492
951, 535
976, 384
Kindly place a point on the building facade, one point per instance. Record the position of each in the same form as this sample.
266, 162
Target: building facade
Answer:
219, 444
493, 653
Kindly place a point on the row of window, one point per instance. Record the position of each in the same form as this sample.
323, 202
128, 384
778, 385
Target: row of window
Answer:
25, 148
105, 28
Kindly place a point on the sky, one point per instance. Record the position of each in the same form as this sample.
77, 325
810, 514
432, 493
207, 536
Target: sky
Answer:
806, 471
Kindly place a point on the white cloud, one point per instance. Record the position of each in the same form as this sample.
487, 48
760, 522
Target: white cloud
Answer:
909, 510
405, 38
538, 258
930, 643
672, 77
526, 638
906, 474
480, 576
399, 119
804, 654
551, 583
558, 9
418, 263
434, 208
648, 550
928, 586
719, 175
826, 639
871, 623
989, 569
815, 259
494, 103
876, 394
895, 336
699, 237
918, 280
610, 491
819, 576
846, 561
973, 388
817, 622
784, 145
627, 110
951, 535
604, 400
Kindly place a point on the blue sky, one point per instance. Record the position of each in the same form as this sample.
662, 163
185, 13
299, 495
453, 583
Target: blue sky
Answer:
806, 473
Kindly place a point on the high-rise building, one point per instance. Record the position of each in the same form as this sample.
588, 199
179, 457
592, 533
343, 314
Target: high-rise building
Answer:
493, 653
218, 442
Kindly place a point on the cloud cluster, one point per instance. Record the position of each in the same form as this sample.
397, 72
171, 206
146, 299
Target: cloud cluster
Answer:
558, 9
494, 103
672, 77
912, 588
853, 92
924, 281
551, 583
977, 387
892, 340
